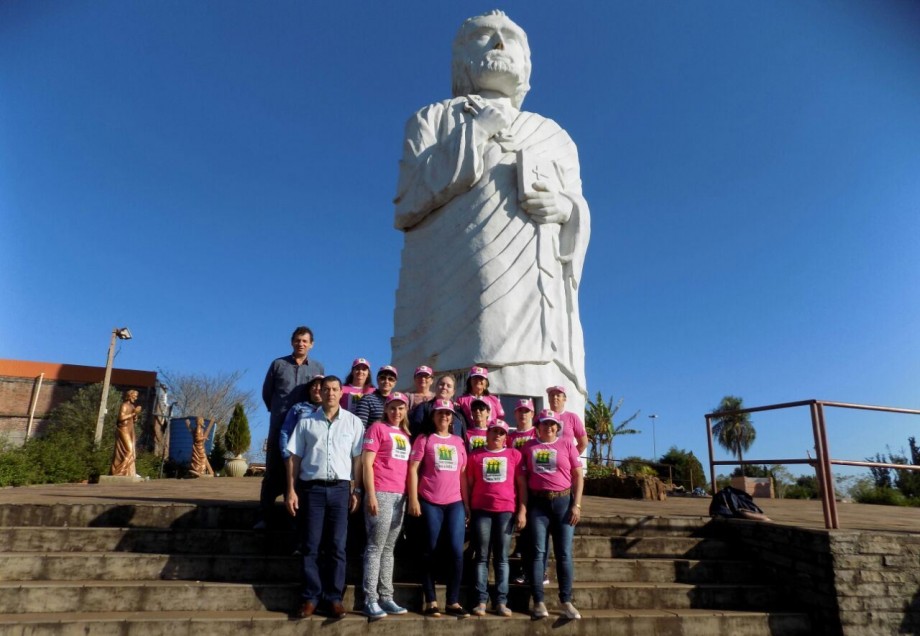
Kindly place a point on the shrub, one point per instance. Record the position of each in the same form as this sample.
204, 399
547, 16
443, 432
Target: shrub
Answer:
237, 438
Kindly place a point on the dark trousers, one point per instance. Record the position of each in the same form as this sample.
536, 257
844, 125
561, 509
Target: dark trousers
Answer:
551, 517
274, 482
322, 519
450, 519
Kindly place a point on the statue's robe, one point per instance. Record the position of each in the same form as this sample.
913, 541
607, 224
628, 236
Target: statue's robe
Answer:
480, 282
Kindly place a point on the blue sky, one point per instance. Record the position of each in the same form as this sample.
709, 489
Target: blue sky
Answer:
213, 174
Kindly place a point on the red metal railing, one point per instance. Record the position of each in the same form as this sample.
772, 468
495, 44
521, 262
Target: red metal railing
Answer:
822, 461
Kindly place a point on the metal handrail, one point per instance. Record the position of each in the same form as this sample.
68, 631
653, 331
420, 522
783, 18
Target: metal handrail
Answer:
822, 462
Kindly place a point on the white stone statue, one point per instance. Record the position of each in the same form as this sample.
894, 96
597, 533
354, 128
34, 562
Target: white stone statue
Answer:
496, 228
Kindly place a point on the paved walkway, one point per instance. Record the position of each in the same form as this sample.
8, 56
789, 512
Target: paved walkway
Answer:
245, 491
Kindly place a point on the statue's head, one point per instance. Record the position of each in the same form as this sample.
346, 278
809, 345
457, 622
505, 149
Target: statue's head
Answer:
491, 52
131, 395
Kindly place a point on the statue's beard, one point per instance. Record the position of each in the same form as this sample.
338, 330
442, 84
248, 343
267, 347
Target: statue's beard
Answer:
497, 63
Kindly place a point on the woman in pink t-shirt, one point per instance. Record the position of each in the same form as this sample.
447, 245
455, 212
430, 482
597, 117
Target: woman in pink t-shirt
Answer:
477, 387
496, 487
438, 493
479, 424
554, 486
386, 463
357, 384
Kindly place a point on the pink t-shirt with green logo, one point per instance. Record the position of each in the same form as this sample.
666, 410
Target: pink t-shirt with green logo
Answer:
392, 460
476, 438
549, 466
492, 474
517, 439
442, 461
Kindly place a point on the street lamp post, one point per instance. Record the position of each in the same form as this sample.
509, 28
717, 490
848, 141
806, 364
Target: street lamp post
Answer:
121, 333
654, 417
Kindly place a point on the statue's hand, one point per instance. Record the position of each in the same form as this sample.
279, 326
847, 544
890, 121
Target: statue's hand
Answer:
491, 121
546, 206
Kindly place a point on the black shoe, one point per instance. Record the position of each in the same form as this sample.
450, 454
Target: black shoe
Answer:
456, 610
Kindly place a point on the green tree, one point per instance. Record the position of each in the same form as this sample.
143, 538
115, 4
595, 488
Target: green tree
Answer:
908, 481
601, 428
733, 431
688, 471
237, 438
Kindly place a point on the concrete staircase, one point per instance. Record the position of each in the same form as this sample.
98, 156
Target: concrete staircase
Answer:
197, 569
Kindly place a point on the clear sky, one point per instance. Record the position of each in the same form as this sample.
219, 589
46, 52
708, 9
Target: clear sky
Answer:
213, 174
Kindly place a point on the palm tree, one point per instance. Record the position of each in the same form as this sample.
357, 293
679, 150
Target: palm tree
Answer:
734, 431
602, 429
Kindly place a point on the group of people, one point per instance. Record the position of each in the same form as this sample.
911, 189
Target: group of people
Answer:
453, 464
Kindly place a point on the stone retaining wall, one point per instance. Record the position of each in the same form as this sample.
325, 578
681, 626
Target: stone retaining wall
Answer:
855, 583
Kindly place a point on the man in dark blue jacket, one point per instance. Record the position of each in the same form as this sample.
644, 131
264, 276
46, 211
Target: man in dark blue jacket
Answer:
285, 385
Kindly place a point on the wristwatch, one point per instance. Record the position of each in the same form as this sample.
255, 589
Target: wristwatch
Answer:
358, 491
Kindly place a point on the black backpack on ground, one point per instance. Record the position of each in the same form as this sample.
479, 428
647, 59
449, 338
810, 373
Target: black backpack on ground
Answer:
730, 502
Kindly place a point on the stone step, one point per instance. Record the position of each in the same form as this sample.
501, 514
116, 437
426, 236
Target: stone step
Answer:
243, 623
242, 516
193, 540
150, 596
127, 566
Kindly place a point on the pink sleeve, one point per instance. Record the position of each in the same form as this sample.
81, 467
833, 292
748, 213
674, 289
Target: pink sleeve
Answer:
574, 457
372, 439
418, 448
579, 428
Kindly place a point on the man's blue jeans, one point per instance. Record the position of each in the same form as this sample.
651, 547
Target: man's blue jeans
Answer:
449, 518
323, 521
495, 529
551, 516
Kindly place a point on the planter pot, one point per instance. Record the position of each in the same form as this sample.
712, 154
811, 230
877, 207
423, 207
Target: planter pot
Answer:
236, 467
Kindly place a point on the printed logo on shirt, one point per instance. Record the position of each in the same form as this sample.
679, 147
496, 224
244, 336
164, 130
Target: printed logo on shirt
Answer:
477, 441
400, 447
544, 460
445, 457
520, 441
495, 470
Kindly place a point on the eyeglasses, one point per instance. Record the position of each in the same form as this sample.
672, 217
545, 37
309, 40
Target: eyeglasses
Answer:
386, 378
500, 431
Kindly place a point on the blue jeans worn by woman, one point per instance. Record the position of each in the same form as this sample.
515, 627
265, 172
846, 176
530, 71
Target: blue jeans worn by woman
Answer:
551, 516
449, 518
495, 528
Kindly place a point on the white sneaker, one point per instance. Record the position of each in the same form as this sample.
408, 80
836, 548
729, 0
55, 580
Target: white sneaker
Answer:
539, 610
569, 612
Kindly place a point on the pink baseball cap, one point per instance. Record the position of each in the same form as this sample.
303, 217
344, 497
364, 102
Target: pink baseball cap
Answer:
359, 361
481, 372
396, 396
387, 369
525, 404
423, 370
547, 415
443, 405
318, 376
556, 389
499, 424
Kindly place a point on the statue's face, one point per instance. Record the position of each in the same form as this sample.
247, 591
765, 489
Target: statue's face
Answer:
497, 58
132, 396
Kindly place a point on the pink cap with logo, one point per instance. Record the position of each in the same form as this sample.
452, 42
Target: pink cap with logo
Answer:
396, 396
423, 370
556, 389
387, 369
360, 361
480, 372
524, 404
499, 424
443, 405
547, 415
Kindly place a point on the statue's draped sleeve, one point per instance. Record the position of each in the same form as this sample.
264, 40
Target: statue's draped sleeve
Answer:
440, 160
